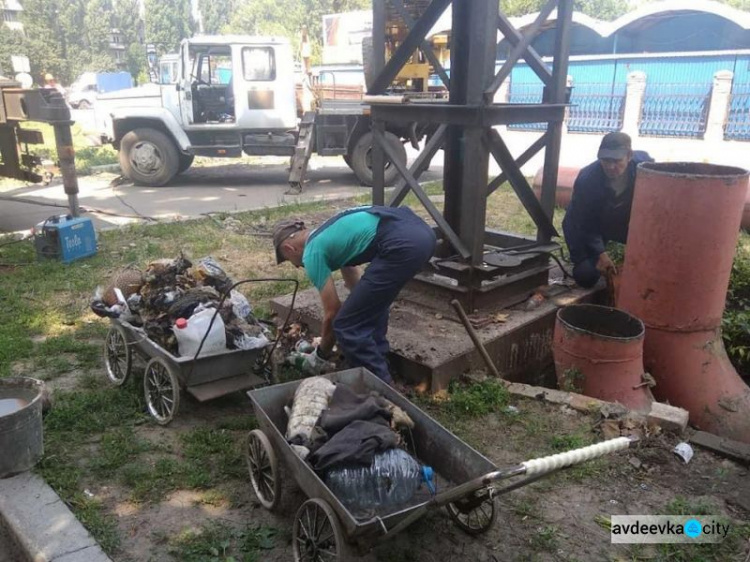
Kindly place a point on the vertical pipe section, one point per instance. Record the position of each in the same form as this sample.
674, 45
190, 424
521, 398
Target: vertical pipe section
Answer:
378, 36
67, 156
556, 94
378, 162
682, 237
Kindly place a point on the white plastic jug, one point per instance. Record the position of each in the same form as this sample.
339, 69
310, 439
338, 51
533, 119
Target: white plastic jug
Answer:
190, 332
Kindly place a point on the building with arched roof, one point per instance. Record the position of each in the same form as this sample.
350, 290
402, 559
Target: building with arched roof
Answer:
658, 27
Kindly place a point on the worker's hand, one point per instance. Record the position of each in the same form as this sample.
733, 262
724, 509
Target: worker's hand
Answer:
605, 264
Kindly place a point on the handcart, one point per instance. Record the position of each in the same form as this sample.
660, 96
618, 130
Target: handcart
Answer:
325, 530
204, 376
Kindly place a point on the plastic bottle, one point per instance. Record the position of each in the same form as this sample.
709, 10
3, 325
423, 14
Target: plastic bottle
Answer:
391, 480
189, 333
304, 346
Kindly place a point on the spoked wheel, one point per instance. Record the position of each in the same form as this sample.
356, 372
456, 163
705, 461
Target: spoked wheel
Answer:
264, 469
317, 534
473, 515
162, 390
118, 357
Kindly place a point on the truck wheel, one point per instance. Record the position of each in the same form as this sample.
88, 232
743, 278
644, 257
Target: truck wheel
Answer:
148, 157
361, 159
84, 104
186, 160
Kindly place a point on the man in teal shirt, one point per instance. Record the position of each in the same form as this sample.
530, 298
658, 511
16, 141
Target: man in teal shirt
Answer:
394, 241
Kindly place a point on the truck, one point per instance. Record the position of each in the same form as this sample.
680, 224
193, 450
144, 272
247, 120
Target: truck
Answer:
90, 85
235, 95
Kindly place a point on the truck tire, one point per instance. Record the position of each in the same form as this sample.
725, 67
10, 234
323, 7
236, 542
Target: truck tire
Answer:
84, 104
361, 159
186, 160
148, 157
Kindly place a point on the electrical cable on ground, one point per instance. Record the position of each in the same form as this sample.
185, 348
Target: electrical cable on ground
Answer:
82, 208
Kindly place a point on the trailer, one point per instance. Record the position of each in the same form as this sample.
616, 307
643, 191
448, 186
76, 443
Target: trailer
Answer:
235, 95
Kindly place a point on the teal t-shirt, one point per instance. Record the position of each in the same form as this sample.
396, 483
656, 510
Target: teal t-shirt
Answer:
338, 244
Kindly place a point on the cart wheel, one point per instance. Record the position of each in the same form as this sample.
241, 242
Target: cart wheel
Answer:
264, 469
162, 390
118, 357
473, 516
317, 535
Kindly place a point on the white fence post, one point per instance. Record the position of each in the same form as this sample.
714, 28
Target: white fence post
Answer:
719, 106
636, 88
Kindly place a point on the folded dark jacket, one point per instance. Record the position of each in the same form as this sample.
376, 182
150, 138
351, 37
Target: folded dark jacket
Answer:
357, 443
347, 406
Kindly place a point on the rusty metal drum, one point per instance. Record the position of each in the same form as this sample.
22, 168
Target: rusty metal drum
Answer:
598, 352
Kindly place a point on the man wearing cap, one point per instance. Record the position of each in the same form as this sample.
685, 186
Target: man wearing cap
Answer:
394, 241
600, 208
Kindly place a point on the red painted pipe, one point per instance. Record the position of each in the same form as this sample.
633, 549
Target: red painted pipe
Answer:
598, 351
682, 237
566, 179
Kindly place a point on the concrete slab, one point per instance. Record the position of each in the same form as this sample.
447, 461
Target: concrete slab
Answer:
429, 349
42, 525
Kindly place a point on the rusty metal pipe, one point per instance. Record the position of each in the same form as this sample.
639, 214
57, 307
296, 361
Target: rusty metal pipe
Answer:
475, 338
67, 156
683, 233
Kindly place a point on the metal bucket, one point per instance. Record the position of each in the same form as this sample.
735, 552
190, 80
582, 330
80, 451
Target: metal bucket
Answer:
598, 352
20, 424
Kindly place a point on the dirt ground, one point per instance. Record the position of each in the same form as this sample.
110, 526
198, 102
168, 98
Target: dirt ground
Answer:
554, 519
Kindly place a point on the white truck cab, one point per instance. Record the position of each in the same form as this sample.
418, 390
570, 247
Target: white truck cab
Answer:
224, 96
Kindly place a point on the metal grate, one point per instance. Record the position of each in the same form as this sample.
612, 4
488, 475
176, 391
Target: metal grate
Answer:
526, 92
737, 126
675, 110
597, 108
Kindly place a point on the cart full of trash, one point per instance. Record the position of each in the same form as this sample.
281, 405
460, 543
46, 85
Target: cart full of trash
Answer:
192, 326
371, 463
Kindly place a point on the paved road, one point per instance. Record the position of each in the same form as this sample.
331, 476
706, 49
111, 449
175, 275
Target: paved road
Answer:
230, 187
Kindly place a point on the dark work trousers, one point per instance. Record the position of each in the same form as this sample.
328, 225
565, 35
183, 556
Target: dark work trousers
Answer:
402, 246
585, 273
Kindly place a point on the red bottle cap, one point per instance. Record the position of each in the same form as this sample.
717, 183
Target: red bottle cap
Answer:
181, 323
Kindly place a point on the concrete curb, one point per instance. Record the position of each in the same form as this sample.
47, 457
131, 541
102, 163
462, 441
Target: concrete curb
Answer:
42, 526
669, 418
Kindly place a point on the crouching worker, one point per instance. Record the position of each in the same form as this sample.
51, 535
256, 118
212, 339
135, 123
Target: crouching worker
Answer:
394, 241
600, 208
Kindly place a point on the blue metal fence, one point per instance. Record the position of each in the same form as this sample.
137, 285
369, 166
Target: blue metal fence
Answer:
738, 120
596, 108
527, 92
675, 110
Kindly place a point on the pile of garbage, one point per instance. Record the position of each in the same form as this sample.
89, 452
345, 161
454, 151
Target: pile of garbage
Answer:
355, 443
175, 302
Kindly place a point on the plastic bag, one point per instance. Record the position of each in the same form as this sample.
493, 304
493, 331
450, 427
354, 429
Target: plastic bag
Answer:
240, 305
209, 272
250, 342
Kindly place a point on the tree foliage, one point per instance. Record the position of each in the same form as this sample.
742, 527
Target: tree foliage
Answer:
599, 9
167, 23
215, 14
287, 17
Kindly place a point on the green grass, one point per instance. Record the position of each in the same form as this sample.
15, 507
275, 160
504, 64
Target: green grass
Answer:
218, 542
476, 399
87, 156
92, 434
731, 548
545, 538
